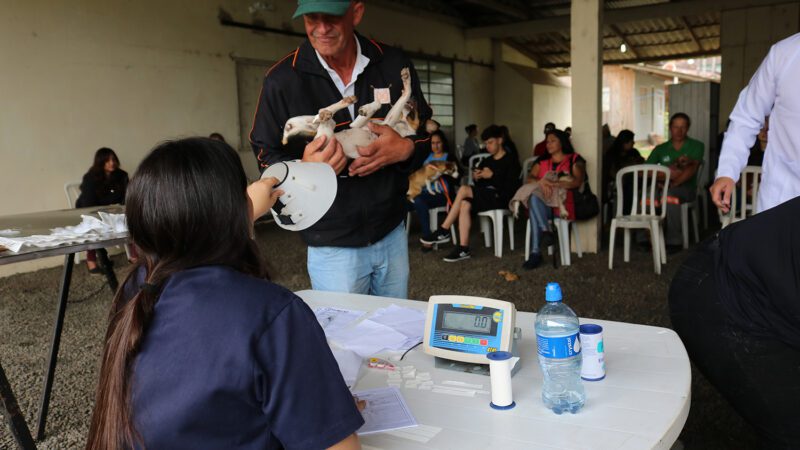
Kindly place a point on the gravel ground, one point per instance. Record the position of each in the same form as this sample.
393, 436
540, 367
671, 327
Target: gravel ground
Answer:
629, 293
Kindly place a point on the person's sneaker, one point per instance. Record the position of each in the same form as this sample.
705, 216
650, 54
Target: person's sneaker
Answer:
458, 254
533, 261
439, 236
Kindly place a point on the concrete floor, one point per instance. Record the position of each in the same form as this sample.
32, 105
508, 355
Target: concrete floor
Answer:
629, 293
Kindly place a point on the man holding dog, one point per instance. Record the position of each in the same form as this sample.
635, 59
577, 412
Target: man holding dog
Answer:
359, 245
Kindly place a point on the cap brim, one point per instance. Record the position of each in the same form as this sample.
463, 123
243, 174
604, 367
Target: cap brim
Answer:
333, 8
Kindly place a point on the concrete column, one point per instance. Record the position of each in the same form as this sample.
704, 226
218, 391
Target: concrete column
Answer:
587, 79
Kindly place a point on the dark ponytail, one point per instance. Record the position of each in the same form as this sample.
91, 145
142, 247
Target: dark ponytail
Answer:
186, 207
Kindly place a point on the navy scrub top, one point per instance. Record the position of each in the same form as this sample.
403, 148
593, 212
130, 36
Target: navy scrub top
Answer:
235, 362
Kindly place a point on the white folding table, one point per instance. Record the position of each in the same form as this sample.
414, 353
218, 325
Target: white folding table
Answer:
642, 403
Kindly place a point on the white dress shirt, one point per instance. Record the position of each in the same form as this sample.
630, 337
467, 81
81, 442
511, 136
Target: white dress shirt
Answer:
350, 88
773, 91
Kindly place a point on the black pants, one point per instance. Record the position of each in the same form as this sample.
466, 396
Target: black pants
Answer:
759, 376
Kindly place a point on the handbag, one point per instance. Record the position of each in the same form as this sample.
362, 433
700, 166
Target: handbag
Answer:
585, 202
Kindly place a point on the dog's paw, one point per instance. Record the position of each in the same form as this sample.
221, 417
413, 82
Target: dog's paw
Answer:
350, 99
324, 115
405, 74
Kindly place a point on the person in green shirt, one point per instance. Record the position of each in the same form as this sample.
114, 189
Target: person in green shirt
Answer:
683, 156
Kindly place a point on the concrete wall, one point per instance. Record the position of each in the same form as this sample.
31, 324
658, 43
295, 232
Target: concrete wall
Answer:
85, 74
474, 98
513, 94
550, 104
747, 35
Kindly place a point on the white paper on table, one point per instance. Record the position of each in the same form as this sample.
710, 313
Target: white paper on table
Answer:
368, 338
90, 229
409, 321
349, 364
385, 410
332, 319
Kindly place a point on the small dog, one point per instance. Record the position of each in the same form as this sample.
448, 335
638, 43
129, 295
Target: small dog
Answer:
402, 118
427, 175
556, 198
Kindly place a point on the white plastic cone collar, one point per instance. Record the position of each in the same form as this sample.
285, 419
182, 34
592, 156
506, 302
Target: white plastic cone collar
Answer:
309, 189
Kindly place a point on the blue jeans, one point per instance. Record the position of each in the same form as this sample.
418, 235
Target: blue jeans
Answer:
423, 203
540, 214
378, 269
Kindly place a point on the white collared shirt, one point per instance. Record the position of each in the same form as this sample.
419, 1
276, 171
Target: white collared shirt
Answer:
773, 91
350, 88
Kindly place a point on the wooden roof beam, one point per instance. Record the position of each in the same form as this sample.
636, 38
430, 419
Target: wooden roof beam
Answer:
508, 10
682, 21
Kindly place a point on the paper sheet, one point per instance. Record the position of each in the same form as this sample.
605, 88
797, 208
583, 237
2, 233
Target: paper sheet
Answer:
386, 410
408, 321
90, 229
368, 338
333, 319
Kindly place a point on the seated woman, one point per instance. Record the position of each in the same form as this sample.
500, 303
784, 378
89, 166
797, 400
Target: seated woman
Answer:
443, 188
622, 154
568, 172
104, 184
202, 351
496, 180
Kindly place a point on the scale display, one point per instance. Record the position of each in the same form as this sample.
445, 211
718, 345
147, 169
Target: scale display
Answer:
465, 329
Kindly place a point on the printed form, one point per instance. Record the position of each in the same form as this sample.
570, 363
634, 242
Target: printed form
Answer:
386, 410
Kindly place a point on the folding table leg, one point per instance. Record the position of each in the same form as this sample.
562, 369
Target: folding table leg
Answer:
15, 418
51, 365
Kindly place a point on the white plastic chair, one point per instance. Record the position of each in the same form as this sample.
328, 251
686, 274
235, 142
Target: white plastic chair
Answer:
473, 161
644, 213
692, 205
750, 179
494, 234
433, 218
562, 230
526, 167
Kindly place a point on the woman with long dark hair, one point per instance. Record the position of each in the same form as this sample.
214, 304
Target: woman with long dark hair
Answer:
570, 168
444, 189
104, 184
201, 350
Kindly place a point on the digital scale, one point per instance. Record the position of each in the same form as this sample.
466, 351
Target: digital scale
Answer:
461, 330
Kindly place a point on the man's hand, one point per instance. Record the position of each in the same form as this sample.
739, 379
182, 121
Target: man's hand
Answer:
262, 196
330, 153
721, 192
388, 148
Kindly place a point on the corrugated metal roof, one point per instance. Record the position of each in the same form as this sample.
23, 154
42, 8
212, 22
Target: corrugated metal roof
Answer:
650, 39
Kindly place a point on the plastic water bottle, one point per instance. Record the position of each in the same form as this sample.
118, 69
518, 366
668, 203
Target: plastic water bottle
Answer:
557, 332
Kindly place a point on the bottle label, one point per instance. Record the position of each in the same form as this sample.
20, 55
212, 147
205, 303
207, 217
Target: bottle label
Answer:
559, 347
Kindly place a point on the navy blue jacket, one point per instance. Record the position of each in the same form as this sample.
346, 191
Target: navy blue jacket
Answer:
236, 362
366, 208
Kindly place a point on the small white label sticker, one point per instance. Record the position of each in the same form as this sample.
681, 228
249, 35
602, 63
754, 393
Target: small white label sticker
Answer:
383, 96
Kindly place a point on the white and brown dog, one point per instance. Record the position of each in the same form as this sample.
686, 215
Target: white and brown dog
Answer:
402, 118
427, 175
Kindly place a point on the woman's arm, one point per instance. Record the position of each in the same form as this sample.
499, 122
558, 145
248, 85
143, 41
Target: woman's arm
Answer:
578, 174
349, 443
262, 197
533, 174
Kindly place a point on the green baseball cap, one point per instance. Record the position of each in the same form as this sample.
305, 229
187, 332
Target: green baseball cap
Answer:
332, 7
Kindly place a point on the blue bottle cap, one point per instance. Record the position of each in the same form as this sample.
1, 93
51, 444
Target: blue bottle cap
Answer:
552, 292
